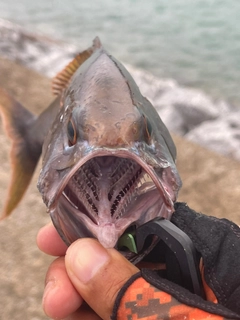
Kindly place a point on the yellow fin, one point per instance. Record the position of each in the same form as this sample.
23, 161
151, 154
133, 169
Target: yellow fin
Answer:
17, 121
61, 80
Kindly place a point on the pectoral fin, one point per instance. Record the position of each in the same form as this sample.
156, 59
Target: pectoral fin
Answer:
24, 154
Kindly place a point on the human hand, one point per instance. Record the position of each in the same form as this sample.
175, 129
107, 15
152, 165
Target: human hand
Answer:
90, 277
84, 283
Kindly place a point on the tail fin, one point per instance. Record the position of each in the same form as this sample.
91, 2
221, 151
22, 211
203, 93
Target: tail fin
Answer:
24, 156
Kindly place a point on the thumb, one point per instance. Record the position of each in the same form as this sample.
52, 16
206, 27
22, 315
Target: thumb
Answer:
97, 274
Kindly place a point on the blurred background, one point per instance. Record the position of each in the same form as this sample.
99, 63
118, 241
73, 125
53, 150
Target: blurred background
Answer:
195, 42
183, 54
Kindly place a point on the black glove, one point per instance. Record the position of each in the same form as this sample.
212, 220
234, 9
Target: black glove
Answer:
149, 296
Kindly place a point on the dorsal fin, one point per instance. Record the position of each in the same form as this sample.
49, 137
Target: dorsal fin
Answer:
61, 80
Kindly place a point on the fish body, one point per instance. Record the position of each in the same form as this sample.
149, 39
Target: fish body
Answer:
108, 159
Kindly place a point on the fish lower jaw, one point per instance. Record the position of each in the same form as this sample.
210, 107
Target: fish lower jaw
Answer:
72, 224
107, 234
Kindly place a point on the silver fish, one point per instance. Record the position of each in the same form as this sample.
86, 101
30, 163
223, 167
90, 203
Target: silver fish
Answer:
108, 159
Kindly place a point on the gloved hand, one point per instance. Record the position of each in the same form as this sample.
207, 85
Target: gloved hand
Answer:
145, 295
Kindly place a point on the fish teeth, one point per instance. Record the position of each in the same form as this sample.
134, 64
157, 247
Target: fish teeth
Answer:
69, 200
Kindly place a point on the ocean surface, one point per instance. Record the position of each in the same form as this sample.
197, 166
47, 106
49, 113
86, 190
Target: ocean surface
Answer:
196, 42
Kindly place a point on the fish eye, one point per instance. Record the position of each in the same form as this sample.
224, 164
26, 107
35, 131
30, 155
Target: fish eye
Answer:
71, 133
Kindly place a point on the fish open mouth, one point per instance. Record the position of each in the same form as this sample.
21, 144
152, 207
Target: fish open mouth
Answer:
105, 196
111, 182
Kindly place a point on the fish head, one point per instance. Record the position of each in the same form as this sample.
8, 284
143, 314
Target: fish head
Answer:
108, 160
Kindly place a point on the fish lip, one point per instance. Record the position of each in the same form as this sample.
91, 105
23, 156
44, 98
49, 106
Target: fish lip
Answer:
118, 153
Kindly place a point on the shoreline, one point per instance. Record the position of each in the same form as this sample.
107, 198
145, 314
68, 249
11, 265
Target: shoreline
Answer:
186, 111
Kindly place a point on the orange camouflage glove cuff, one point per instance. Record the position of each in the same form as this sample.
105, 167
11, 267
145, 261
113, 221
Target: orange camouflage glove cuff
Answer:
139, 299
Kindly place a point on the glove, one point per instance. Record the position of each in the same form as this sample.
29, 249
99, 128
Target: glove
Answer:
148, 296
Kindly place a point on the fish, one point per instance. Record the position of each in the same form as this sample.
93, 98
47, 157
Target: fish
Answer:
108, 160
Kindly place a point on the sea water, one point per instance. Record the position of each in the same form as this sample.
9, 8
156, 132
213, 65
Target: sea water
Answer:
196, 42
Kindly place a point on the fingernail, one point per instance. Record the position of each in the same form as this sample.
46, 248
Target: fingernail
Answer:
49, 287
84, 258
48, 290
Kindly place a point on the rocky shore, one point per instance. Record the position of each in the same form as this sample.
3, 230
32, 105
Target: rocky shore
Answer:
192, 114
187, 112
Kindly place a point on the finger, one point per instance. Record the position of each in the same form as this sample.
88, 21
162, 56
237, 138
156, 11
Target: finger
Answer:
60, 298
49, 241
97, 274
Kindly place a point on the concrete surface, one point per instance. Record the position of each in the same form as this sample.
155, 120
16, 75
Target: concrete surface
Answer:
211, 184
